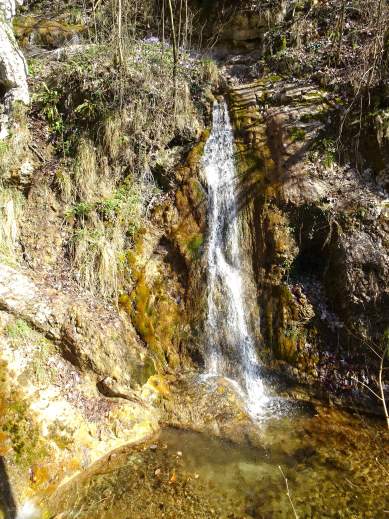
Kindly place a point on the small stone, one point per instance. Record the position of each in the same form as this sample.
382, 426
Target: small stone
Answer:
179, 453
153, 447
157, 472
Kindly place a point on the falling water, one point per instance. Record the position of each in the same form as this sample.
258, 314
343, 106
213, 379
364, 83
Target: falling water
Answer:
231, 349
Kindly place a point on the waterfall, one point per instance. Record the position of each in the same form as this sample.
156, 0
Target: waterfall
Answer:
230, 349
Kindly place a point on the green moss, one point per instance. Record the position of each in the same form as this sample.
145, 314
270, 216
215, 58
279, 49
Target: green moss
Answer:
316, 115
274, 78
156, 317
194, 246
18, 427
24, 434
19, 329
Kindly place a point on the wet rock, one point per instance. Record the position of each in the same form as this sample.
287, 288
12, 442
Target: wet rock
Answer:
54, 419
326, 457
214, 406
319, 234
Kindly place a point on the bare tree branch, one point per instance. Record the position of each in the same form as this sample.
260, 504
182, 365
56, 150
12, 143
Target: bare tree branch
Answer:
288, 493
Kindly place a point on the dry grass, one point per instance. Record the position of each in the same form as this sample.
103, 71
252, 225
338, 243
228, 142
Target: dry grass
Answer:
64, 183
85, 171
11, 205
13, 149
210, 71
113, 135
95, 259
116, 120
103, 233
134, 117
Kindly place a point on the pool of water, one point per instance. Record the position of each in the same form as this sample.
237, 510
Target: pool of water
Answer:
310, 463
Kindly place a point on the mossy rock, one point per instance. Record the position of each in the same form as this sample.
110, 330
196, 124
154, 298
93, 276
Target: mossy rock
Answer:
156, 317
45, 32
20, 435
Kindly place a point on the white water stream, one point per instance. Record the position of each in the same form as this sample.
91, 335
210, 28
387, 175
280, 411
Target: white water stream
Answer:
231, 349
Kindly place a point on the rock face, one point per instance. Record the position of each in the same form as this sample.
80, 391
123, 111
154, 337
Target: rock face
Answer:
101, 347
68, 385
319, 233
13, 67
9, 8
233, 27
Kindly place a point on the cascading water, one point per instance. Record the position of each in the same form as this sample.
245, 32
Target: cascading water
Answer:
230, 349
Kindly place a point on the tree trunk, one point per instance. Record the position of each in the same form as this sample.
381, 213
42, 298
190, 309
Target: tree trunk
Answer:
174, 40
120, 35
341, 31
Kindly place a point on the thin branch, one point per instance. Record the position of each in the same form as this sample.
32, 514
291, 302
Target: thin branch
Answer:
380, 382
120, 41
288, 492
367, 387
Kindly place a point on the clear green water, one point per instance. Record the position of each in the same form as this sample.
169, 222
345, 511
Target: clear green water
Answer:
337, 466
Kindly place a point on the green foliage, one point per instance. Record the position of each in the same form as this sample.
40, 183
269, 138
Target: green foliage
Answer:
325, 150
195, 245
35, 67
48, 100
87, 110
328, 147
80, 210
297, 134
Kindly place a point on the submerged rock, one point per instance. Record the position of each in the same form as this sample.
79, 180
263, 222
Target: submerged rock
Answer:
187, 474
